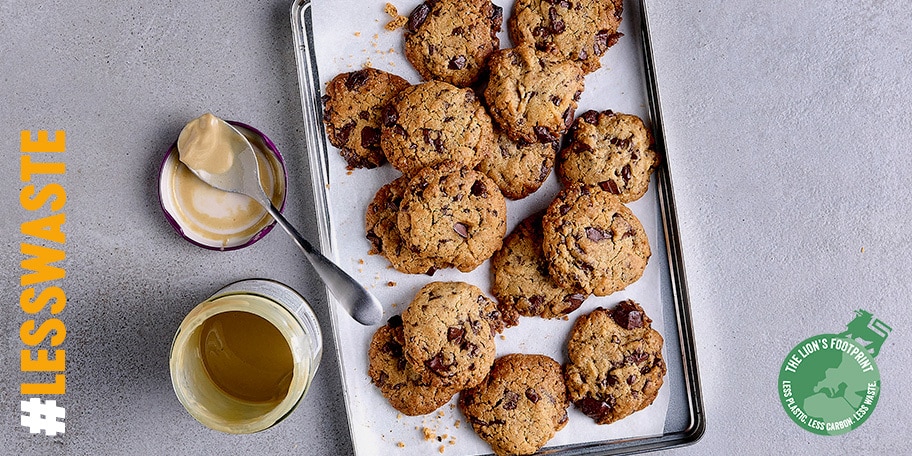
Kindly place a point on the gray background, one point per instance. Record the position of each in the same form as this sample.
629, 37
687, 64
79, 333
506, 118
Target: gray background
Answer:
787, 126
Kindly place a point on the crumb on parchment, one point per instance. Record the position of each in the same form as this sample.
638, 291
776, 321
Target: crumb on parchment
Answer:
400, 444
442, 448
428, 434
398, 21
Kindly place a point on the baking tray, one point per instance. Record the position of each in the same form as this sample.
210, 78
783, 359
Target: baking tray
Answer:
331, 37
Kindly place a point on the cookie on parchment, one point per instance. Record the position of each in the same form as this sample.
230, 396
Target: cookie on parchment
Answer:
615, 365
450, 40
454, 215
449, 329
593, 242
432, 122
577, 30
409, 388
383, 231
611, 150
520, 404
519, 168
532, 95
521, 281
351, 112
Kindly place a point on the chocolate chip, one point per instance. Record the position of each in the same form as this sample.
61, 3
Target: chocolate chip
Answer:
574, 300
568, 117
381, 379
596, 234
556, 100
418, 16
479, 189
595, 408
454, 334
557, 23
370, 138
356, 79
395, 321
627, 316
531, 395
535, 303
510, 400
393, 349
610, 186
590, 116
436, 365
457, 63
345, 132
564, 208
632, 379
543, 134
390, 116
496, 16
625, 173
457, 31
461, 229
375, 241
325, 99
636, 357
583, 55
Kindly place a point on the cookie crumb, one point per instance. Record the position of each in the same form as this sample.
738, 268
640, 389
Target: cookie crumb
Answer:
398, 21
361, 261
457, 424
357, 33
442, 448
391, 284
400, 444
428, 434
503, 337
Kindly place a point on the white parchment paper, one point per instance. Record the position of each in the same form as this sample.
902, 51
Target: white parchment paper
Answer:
349, 35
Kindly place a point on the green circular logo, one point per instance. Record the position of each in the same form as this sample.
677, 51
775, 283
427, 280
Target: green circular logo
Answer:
829, 384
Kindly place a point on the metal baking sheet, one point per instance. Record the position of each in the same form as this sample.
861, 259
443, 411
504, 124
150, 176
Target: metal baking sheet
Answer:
346, 35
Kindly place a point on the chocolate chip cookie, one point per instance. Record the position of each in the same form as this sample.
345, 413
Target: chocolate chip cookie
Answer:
409, 388
611, 150
449, 329
519, 406
383, 231
432, 122
578, 30
518, 168
532, 95
450, 40
615, 362
593, 242
351, 111
521, 281
454, 215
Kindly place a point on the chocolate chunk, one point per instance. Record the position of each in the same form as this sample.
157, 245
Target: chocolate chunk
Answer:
436, 365
395, 321
627, 316
625, 173
479, 189
543, 134
496, 16
590, 116
455, 334
510, 400
390, 116
345, 132
457, 63
557, 23
418, 16
356, 79
461, 230
531, 395
610, 186
574, 300
595, 408
596, 234
370, 138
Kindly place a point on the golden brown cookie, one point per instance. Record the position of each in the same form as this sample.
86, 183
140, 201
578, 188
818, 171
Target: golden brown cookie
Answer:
593, 242
454, 215
450, 40
532, 95
383, 231
520, 404
615, 365
351, 112
518, 168
577, 30
449, 329
521, 281
408, 387
433, 122
611, 150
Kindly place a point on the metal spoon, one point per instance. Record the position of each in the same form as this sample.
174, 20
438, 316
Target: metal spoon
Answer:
244, 177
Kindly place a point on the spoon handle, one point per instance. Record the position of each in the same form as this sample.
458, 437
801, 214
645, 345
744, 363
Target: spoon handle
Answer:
360, 303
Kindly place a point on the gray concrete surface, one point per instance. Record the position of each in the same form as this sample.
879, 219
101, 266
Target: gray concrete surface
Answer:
787, 127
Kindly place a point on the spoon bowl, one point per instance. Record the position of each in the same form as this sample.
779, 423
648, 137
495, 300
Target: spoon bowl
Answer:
242, 176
